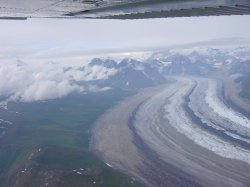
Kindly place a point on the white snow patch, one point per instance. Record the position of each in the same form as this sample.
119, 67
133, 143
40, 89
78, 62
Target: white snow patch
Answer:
166, 63
218, 64
109, 165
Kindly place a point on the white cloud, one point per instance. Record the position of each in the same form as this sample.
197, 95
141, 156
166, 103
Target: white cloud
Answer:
98, 72
12, 78
90, 73
46, 89
89, 34
29, 82
94, 88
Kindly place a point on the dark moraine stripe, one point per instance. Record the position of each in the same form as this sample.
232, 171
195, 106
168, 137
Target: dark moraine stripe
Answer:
230, 104
208, 128
158, 172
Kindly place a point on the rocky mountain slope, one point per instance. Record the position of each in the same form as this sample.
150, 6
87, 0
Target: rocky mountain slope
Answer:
131, 73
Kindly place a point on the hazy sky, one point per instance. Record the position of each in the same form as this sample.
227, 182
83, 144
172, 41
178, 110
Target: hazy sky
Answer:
34, 52
96, 34
36, 39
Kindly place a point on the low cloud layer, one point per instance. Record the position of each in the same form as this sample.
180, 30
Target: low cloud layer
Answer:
90, 73
26, 82
35, 79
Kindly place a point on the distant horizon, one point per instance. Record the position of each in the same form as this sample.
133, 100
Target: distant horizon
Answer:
31, 80
88, 34
69, 56
70, 41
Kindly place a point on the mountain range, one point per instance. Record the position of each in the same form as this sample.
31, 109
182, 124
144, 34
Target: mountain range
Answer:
132, 73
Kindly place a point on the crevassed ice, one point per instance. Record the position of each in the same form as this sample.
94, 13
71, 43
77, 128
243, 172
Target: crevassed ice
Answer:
218, 107
180, 121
